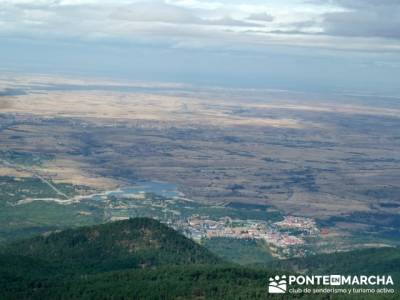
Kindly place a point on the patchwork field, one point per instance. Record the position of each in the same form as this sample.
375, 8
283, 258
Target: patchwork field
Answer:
333, 158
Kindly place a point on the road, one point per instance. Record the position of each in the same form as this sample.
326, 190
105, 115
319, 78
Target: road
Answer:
34, 174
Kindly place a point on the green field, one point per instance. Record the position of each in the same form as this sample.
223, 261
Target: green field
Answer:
20, 221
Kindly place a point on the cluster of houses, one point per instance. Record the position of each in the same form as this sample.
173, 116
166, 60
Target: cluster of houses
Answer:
277, 234
304, 224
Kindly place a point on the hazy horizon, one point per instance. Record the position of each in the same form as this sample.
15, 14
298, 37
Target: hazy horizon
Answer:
314, 46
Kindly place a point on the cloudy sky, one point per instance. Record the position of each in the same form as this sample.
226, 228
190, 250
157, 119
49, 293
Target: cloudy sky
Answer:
332, 45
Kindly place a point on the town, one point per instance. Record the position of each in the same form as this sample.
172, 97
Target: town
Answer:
284, 235
279, 236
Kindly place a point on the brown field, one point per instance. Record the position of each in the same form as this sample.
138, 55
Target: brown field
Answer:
304, 154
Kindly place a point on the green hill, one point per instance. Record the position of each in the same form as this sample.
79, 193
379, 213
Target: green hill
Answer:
134, 243
144, 259
133, 259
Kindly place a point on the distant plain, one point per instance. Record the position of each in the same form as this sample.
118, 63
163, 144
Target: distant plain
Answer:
330, 157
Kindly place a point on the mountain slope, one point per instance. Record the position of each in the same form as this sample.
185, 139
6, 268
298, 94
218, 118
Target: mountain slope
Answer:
132, 259
141, 259
134, 243
366, 261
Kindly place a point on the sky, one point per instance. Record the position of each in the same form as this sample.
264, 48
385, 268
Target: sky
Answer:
306, 45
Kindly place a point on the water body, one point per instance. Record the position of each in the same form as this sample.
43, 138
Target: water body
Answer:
162, 189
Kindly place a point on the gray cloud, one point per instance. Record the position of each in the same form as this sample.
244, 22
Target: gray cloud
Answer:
362, 4
385, 24
363, 18
155, 12
228, 21
265, 17
166, 13
202, 23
